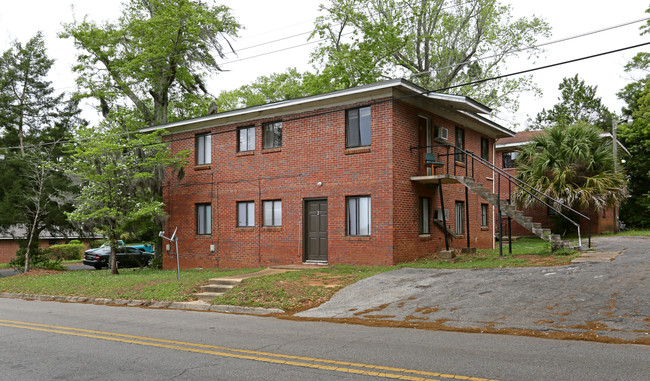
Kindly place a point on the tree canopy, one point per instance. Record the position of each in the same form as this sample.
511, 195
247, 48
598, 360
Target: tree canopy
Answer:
437, 44
154, 59
577, 102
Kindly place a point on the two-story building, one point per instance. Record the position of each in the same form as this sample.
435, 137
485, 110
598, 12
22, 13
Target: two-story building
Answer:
339, 178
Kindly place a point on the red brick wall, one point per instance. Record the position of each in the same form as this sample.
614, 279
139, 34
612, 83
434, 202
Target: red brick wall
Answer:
8, 247
313, 151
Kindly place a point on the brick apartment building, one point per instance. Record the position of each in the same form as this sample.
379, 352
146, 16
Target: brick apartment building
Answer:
337, 178
507, 148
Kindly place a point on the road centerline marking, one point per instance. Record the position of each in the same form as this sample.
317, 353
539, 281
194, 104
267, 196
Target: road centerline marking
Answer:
267, 357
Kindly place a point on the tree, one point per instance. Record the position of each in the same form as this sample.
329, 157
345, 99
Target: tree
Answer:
573, 165
120, 174
154, 59
274, 88
27, 100
437, 44
577, 102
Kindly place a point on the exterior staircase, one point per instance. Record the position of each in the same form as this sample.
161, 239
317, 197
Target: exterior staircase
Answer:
515, 214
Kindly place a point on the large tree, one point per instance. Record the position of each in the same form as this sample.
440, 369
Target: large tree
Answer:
27, 99
120, 174
573, 165
154, 59
438, 44
577, 102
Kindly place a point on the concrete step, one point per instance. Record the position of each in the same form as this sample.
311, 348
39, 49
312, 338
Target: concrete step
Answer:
207, 296
224, 281
221, 288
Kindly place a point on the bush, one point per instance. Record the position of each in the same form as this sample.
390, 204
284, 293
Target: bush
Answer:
38, 259
74, 242
66, 252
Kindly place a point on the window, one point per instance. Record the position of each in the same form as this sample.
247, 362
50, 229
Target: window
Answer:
273, 135
358, 215
509, 159
203, 219
272, 213
357, 127
459, 217
424, 215
485, 149
246, 138
246, 213
203, 149
460, 143
484, 215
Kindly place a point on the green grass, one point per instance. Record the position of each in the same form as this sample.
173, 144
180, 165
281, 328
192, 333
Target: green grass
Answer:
145, 284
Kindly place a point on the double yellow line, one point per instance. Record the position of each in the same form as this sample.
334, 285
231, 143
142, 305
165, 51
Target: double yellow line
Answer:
267, 357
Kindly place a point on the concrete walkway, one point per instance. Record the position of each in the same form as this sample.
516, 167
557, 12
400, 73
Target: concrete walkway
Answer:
604, 297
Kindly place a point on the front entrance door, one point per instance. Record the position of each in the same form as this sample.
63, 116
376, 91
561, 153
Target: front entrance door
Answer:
316, 230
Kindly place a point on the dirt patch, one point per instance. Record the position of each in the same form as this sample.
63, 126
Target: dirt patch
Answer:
37, 272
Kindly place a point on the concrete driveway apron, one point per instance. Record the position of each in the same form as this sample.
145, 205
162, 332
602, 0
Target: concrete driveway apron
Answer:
604, 301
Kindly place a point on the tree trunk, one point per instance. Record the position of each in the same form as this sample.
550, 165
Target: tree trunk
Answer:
113, 258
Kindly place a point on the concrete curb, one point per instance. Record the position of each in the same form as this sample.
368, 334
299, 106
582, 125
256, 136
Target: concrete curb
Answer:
190, 306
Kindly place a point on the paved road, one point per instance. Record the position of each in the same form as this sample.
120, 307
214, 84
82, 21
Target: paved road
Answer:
602, 301
69, 341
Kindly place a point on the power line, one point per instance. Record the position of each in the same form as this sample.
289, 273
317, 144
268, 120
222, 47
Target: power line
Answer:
384, 101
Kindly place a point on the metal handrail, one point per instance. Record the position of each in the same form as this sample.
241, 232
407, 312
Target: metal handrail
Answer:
512, 180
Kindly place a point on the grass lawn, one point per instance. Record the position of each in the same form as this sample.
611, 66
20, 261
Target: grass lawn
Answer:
145, 284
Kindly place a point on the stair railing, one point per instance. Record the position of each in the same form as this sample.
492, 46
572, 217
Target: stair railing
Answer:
512, 180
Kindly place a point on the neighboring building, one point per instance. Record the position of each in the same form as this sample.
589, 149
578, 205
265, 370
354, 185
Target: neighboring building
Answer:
507, 150
9, 241
337, 178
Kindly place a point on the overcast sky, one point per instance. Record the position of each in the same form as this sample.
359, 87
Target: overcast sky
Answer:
267, 21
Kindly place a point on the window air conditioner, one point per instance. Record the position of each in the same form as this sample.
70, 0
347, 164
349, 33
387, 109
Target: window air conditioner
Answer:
442, 133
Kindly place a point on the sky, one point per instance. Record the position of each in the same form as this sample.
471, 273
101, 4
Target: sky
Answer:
290, 22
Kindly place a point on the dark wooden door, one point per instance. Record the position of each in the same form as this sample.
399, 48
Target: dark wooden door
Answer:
316, 230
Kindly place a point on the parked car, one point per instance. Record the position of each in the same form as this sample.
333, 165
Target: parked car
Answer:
127, 256
105, 244
144, 247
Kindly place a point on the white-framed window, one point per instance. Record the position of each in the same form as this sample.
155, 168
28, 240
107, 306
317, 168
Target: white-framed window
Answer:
509, 159
459, 218
425, 210
358, 216
246, 139
272, 212
246, 213
272, 135
203, 219
203, 149
357, 127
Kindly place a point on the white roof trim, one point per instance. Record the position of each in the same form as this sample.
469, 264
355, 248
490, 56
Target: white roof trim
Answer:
468, 103
519, 144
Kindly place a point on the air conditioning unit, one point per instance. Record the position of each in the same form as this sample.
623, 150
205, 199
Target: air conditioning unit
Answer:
441, 133
438, 215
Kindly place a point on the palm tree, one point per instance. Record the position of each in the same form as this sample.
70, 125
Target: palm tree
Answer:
572, 164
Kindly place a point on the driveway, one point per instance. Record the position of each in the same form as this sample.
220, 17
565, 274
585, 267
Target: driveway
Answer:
594, 301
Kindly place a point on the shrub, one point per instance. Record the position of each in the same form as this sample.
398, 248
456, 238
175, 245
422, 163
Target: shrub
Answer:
66, 252
38, 259
74, 242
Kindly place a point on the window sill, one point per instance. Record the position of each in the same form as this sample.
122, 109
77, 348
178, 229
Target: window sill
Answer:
245, 228
202, 167
246, 153
203, 236
271, 228
424, 237
485, 228
356, 150
460, 163
272, 150
358, 238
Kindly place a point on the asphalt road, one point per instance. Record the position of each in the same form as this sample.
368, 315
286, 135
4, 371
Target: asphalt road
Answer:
51, 340
601, 301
